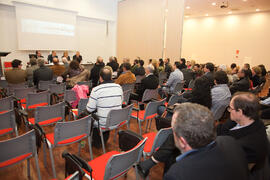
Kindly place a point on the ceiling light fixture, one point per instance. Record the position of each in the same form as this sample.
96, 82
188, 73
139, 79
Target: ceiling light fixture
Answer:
187, 7
186, 16
257, 10
213, 4
245, 0
230, 12
206, 15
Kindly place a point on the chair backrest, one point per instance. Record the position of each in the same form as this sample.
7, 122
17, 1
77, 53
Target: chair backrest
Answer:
21, 93
8, 123
88, 83
11, 87
173, 99
219, 108
117, 116
126, 87
37, 99
162, 77
119, 164
54, 113
139, 78
57, 88
160, 138
3, 84
6, 104
151, 107
126, 95
72, 131
150, 94
178, 87
44, 85
70, 96
23, 147
82, 105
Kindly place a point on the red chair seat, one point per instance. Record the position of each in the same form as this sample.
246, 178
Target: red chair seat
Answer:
75, 111
35, 105
50, 138
1, 112
49, 121
141, 115
99, 164
4, 131
7, 64
14, 160
166, 104
150, 141
122, 123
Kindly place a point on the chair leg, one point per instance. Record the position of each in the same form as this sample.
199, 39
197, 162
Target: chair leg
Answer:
79, 148
114, 137
90, 147
150, 124
28, 168
140, 128
136, 173
147, 122
52, 162
102, 141
44, 154
37, 166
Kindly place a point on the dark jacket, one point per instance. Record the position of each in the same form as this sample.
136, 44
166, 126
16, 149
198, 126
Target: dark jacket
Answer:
114, 65
240, 85
188, 76
139, 71
43, 73
168, 69
210, 77
256, 80
149, 82
223, 160
94, 76
79, 59
50, 58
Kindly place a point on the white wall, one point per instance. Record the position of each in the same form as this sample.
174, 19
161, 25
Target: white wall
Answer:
92, 19
217, 38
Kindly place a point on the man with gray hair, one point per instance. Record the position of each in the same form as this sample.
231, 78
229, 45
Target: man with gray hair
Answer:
204, 156
149, 82
42, 73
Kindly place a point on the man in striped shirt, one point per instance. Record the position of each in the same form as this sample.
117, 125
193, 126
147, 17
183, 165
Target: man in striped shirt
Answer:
105, 97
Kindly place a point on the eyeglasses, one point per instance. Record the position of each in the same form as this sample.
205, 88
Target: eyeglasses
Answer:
230, 108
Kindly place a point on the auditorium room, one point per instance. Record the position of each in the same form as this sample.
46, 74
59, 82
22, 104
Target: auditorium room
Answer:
135, 89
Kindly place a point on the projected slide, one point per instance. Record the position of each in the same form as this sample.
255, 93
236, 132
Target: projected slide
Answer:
46, 27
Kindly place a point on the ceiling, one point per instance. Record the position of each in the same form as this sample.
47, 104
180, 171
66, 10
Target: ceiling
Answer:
199, 8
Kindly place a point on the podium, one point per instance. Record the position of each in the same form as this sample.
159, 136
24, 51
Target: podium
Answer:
2, 54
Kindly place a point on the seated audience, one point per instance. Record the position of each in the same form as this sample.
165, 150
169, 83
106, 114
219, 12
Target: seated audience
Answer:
242, 84
256, 76
94, 75
247, 68
183, 64
249, 131
73, 70
154, 63
43, 73
197, 70
160, 65
77, 56
263, 74
65, 54
135, 65
66, 62
113, 64
120, 70
168, 67
209, 72
51, 56
38, 55
16, 75
140, 70
127, 77
30, 70
57, 69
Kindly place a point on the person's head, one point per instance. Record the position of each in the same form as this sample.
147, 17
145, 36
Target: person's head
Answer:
222, 67
256, 70
233, 65
41, 62
74, 65
136, 61
193, 126
16, 63
167, 60
161, 62
53, 53
209, 67
108, 67
150, 61
188, 63
55, 61
244, 106
126, 67
105, 75
177, 65
155, 63
38, 53
111, 59
65, 54
99, 59
263, 69
242, 73
183, 61
141, 62
77, 53
196, 67
220, 77
115, 59
126, 60
33, 61
201, 92
149, 69
246, 66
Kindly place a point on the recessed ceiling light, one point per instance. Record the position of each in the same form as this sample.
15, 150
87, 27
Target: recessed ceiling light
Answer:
230, 12
213, 4
206, 15
257, 10
186, 16
245, 0
187, 7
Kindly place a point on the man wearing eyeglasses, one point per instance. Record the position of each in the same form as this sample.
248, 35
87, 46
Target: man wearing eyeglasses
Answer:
249, 131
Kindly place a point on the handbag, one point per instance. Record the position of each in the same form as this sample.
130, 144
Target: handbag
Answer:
128, 139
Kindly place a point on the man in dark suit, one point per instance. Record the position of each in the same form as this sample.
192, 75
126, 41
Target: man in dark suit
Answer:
94, 76
42, 73
168, 67
51, 56
113, 64
140, 71
209, 72
77, 57
204, 156
242, 84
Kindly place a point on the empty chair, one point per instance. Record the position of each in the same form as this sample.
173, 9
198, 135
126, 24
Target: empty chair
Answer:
66, 133
149, 113
116, 118
81, 107
44, 85
21, 94
126, 96
126, 87
6, 104
17, 149
11, 87
34, 100
46, 115
8, 123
